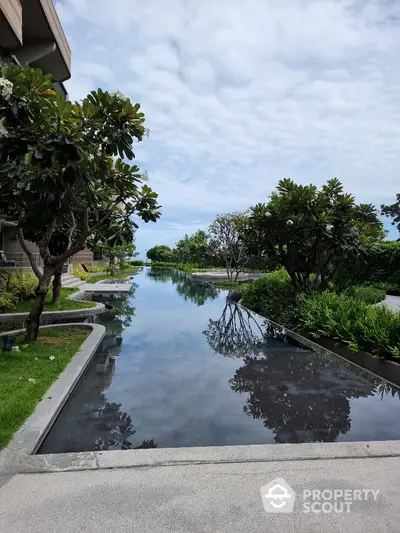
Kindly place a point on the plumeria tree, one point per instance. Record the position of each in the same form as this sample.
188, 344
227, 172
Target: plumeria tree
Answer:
115, 240
63, 162
311, 231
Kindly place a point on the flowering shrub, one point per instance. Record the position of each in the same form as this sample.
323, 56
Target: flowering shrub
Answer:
6, 88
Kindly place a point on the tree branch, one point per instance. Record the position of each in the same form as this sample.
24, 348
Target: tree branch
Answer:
79, 243
74, 199
25, 248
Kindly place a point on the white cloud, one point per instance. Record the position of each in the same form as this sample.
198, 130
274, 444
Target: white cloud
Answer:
239, 94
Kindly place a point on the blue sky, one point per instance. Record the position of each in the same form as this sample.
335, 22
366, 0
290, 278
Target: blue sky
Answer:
240, 93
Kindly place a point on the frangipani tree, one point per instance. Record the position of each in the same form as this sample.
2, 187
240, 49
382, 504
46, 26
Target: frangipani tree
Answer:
115, 240
311, 231
63, 161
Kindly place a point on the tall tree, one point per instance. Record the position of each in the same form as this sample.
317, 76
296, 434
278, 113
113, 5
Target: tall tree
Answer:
161, 253
59, 161
393, 210
226, 238
312, 231
195, 249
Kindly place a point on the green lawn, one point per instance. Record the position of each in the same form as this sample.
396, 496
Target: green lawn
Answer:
65, 304
25, 376
121, 275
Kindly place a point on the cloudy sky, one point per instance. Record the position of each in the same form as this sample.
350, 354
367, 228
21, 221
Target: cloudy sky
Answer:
240, 93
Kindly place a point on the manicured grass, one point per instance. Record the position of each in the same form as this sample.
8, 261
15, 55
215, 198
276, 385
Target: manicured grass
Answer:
25, 376
65, 304
121, 275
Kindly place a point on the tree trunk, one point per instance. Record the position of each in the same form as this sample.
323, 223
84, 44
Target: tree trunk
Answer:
33, 319
112, 266
57, 284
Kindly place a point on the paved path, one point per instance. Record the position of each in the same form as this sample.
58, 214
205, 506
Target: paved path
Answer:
198, 498
393, 303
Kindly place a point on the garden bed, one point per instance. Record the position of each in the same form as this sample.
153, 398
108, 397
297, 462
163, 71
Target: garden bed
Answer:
25, 376
66, 303
383, 368
122, 273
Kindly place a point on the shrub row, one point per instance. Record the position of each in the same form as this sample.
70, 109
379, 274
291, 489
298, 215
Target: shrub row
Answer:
273, 297
368, 294
352, 321
136, 262
97, 268
16, 286
381, 264
79, 272
347, 316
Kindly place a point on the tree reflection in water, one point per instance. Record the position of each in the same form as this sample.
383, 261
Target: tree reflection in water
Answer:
195, 291
114, 428
300, 395
98, 424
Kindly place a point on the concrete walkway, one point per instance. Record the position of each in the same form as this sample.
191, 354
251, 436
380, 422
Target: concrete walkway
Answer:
206, 498
392, 302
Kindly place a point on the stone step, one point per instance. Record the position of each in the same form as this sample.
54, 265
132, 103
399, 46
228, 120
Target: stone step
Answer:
72, 282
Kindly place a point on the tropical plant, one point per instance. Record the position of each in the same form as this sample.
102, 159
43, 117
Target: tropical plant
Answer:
375, 329
312, 232
96, 268
273, 297
7, 301
59, 166
79, 272
366, 293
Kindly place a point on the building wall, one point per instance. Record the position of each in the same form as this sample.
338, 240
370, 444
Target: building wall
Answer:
9, 243
84, 256
12, 248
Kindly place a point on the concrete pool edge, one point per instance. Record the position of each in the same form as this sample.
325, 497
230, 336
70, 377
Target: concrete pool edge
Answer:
17, 462
367, 362
28, 438
6, 318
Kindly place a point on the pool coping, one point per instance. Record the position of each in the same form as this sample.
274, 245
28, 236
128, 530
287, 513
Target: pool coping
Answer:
380, 368
6, 318
17, 462
28, 438
17, 458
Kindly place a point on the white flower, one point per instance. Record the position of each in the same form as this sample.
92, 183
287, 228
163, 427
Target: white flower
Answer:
51, 357
267, 214
289, 223
6, 88
329, 227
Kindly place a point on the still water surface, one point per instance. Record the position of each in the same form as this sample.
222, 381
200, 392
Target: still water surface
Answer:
190, 369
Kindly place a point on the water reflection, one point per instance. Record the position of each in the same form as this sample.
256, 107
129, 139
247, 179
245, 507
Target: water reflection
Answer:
191, 290
182, 366
299, 395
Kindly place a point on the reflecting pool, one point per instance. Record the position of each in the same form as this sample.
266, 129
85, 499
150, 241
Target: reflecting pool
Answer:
182, 366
